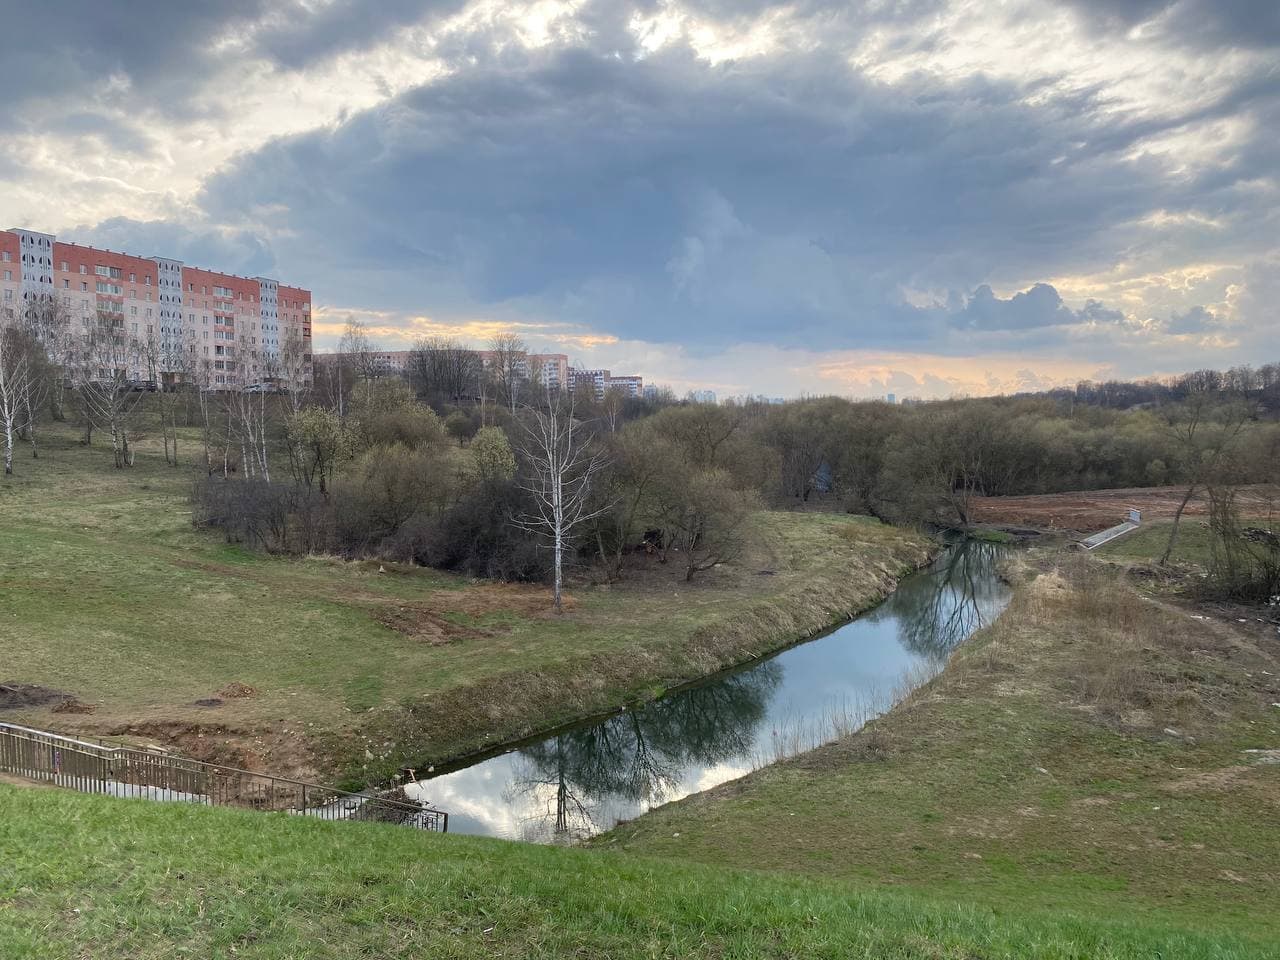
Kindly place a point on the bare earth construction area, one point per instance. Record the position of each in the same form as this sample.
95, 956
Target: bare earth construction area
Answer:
1088, 511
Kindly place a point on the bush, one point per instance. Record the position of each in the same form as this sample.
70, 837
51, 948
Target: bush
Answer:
384, 490
476, 536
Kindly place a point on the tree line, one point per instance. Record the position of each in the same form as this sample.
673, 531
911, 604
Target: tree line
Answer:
479, 467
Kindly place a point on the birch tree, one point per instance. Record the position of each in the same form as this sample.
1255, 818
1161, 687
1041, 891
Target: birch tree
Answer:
15, 375
561, 466
102, 376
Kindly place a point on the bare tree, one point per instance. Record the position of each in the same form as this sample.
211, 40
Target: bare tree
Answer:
358, 350
102, 376
444, 370
510, 367
288, 370
15, 379
561, 466
247, 426
49, 322
1205, 429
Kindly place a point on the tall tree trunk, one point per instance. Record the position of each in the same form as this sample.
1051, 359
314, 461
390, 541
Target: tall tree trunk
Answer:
1177, 520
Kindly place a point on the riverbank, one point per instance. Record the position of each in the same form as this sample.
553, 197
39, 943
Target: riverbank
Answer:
202, 882
119, 619
1093, 752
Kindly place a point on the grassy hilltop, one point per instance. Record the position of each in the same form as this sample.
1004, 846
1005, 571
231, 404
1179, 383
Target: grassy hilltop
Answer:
96, 878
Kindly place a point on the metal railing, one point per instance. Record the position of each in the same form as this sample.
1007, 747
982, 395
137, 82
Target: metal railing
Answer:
156, 775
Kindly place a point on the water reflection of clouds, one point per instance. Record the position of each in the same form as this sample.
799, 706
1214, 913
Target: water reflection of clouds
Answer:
592, 777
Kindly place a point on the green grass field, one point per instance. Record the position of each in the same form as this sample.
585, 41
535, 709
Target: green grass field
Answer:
1147, 543
95, 878
1087, 754
110, 595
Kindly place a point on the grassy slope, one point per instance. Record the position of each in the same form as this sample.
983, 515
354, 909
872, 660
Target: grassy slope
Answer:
1036, 772
108, 593
96, 878
1149, 540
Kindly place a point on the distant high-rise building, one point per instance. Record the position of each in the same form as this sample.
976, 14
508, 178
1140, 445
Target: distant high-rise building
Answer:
703, 396
890, 398
181, 321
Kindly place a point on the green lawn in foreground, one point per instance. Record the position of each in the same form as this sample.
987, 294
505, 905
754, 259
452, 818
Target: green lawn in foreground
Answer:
108, 593
96, 878
1084, 754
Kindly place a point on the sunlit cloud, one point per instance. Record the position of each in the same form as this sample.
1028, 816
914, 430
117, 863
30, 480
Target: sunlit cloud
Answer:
768, 197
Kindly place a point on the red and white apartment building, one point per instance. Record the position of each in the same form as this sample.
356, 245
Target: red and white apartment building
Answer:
245, 328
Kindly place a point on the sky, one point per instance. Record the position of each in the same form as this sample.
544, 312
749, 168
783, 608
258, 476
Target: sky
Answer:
923, 197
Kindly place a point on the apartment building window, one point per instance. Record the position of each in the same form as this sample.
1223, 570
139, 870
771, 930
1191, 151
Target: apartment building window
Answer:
82, 268
133, 311
8, 294
8, 258
84, 285
133, 278
66, 284
147, 281
8, 274
63, 268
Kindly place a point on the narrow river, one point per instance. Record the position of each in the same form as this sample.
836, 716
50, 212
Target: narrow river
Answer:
588, 778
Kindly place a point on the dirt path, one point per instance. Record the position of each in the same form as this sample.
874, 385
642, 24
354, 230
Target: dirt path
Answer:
1089, 511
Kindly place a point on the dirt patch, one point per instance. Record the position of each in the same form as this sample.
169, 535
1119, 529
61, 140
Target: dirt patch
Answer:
276, 751
74, 706
15, 695
421, 622
439, 622
482, 598
1088, 511
237, 691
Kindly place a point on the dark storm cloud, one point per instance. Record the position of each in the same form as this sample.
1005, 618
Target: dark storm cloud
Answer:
163, 54
163, 47
781, 198
1196, 320
1242, 23
1039, 306
238, 252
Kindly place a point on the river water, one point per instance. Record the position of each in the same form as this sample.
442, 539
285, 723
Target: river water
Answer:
586, 779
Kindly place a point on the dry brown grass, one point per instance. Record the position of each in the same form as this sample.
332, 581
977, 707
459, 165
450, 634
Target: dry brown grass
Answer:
1090, 750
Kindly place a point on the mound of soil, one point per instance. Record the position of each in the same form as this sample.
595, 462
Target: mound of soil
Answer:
237, 691
14, 695
72, 705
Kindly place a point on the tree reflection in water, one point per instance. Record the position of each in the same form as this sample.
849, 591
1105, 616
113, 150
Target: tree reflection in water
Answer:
640, 756
586, 779
961, 593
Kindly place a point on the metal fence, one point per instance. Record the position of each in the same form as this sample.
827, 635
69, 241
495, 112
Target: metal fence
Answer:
155, 775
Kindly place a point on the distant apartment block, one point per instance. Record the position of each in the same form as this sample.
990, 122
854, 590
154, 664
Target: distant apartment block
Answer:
600, 382
551, 370
224, 330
